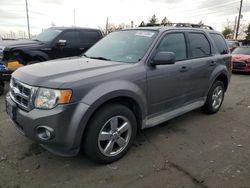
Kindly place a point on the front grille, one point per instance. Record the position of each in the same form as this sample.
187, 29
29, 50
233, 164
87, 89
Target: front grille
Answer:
239, 65
22, 94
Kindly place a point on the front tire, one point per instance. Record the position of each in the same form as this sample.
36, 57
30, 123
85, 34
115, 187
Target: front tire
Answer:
110, 133
215, 98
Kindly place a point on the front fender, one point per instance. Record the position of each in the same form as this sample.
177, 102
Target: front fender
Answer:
105, 92
113, 89
36, 53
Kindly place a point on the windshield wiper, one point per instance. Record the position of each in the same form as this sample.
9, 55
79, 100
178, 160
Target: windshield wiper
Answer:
100, 58
85, 55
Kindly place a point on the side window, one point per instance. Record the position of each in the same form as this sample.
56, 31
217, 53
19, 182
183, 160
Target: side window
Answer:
199, 44
220, 43
69, 36
89, 36
174, 42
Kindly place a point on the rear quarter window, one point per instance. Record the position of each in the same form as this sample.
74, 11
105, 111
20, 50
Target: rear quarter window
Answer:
89, 36
199, 45
220, 43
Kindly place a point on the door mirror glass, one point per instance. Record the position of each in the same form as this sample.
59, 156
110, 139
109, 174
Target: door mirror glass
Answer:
163, 58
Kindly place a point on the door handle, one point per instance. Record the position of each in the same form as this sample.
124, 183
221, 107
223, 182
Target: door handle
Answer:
184, 69
212, 63
81, 48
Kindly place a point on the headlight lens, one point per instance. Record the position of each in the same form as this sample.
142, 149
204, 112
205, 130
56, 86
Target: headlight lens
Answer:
49, 98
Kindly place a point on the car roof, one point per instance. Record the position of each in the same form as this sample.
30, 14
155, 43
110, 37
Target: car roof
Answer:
243, 47
71, 28
165, 28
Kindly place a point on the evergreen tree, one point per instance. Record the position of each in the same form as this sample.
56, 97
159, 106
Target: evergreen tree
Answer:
153, 20
248, 32
228, 33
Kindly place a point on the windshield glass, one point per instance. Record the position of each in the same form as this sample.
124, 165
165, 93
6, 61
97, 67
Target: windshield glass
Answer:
242, 51
123, 46
48, 35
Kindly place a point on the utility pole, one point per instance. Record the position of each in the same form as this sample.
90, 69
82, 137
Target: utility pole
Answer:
28, 22
74, 17
238, 24
235, 23
107, 25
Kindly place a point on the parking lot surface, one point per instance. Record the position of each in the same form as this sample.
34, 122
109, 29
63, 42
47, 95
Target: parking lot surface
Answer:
194, 150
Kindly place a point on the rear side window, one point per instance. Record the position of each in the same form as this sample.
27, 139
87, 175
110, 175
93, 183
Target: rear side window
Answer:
174, 42
199, 44
89, 36
219, 43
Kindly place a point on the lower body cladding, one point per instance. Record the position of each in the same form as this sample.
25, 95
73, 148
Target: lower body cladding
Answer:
57, 130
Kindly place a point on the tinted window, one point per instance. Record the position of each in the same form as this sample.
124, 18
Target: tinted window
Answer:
219, 43
200, 47
48, 35
89, 36
174, 42
69, 36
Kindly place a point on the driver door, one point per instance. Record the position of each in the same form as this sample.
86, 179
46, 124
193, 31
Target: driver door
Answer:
165, 82
69, 48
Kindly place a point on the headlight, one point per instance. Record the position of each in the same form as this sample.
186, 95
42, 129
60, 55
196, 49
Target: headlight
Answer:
49, 98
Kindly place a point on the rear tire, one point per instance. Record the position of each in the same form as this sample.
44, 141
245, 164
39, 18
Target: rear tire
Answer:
110, 133
215, 98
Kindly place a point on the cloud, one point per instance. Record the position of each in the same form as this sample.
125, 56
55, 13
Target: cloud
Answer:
168, 1
222, 8
55, 2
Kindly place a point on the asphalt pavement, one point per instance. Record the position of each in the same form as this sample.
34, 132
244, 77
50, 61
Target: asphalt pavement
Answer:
193, 150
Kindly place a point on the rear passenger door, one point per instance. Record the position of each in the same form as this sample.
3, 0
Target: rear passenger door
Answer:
222, 54
199, 67
88, 38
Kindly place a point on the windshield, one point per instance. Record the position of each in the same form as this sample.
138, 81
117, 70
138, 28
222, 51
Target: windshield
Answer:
242, 51
123, 46
48, 35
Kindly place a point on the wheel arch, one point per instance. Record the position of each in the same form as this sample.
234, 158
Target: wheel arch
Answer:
127, 100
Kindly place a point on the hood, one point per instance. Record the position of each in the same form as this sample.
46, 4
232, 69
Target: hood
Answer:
65, 71
21, 43
237, 57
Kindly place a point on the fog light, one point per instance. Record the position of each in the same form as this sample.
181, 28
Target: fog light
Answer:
45, 133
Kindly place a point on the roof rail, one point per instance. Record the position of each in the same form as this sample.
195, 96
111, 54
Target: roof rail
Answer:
180, 25
193, 25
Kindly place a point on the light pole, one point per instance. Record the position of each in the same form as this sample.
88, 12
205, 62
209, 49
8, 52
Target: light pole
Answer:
28, 22
238, 24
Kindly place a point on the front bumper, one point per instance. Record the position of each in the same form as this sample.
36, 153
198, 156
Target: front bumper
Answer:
239, 66
65, 120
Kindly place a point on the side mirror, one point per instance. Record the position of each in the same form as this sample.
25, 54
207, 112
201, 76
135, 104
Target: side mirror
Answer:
163, 58
61, 43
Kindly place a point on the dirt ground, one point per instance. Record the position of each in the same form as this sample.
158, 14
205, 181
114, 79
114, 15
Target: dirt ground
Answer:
194, 150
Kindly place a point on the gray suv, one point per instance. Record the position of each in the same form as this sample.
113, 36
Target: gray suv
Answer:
130, 80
